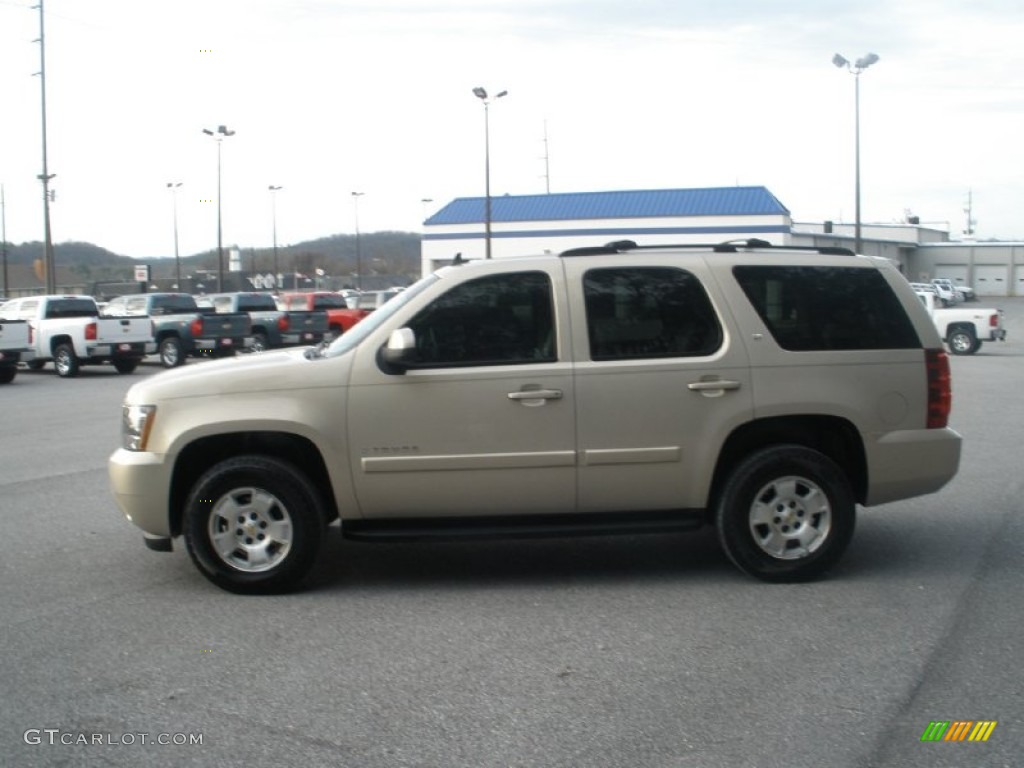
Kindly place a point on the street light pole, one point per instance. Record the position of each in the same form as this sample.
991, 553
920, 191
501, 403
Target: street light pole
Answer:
481, 94
273, 213
173, 186
855, 69
219, 135
359, 256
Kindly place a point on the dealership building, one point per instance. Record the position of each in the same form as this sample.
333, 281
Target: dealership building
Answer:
551, 223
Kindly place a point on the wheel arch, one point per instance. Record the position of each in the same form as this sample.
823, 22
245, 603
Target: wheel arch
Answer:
200, 455
959, 325
56, 341
832, 436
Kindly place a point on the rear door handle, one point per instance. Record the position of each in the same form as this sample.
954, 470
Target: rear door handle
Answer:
536, 394
705, 386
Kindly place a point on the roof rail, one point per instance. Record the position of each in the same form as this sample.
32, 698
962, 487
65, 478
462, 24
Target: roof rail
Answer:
727, 246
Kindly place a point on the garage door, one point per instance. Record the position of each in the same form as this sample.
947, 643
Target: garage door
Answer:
991, 280
1018, 281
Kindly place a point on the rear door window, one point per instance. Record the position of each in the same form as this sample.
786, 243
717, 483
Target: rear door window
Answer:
648, 312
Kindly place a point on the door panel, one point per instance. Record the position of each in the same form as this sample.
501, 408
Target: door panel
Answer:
486, 423
660, 382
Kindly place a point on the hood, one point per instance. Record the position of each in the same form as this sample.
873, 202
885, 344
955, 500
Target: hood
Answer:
285, 370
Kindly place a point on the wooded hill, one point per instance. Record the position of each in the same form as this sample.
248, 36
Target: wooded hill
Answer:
82, 264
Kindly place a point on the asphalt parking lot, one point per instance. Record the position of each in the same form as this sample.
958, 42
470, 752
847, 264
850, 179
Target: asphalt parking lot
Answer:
630, 651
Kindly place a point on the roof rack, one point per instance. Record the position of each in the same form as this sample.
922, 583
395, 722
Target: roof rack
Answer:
728, 246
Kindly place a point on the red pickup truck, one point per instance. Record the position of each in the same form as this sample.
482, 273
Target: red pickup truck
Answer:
339, 316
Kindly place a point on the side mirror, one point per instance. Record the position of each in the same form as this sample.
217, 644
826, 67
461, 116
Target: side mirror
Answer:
399, 354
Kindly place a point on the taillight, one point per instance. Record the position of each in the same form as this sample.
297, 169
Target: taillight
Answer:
90, 332
31, 335
197, 327
993, 320
282, 323
940, 388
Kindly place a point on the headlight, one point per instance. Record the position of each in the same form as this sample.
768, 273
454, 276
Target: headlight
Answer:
136, 422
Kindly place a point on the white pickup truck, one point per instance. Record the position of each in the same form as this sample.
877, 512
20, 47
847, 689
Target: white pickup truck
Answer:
69, 331
964, 329
14, 341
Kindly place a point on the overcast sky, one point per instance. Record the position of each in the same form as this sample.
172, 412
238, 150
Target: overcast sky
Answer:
328, 97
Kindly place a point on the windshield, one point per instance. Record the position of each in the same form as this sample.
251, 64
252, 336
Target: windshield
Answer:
352, 337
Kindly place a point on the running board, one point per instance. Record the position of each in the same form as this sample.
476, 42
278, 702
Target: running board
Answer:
522, 526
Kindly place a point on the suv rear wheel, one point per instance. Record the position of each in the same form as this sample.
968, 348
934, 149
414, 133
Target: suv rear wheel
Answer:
253, 525
786, 513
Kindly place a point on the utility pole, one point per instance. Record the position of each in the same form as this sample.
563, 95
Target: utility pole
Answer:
969, 210
45, 176
3, 237
547, 158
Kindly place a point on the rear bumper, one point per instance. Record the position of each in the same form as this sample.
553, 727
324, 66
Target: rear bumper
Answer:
115, 350
222, 343
909, 463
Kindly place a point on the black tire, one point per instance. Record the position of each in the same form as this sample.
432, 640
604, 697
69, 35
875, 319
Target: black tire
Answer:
786, 513
253, 525
35, 365
962, 341
126, 364
259, 343
7, 373
172, 354
65, 362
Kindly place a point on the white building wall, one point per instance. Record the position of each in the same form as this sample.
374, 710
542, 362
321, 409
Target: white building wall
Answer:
442, 243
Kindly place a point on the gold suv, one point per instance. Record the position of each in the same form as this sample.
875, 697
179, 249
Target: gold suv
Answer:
764, 390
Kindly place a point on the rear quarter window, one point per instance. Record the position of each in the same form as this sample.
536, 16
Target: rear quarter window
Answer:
827, 308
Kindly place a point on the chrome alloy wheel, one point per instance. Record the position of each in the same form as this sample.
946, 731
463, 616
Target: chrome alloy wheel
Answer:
250, 530
790, 518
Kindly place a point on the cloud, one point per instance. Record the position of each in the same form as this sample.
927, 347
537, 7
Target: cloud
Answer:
332, 96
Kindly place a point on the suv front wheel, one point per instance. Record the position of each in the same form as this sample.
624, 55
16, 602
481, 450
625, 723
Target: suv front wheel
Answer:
253, 525
785, 513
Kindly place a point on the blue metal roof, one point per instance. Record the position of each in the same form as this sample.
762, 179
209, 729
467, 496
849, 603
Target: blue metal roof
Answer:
628, 204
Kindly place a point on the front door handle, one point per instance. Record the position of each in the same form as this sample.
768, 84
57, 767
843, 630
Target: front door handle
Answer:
536, 394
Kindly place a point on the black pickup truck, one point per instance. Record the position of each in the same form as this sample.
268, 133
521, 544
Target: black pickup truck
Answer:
182, 328
271, 327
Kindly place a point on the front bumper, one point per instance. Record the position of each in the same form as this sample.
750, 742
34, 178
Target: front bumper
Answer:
140, 482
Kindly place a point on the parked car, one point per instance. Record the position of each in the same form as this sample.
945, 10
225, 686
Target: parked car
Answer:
965, 292
947, 294
15, 341
964, 330
180, 328
371, 300
68, 330
272, 328
763, 390
340, 316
